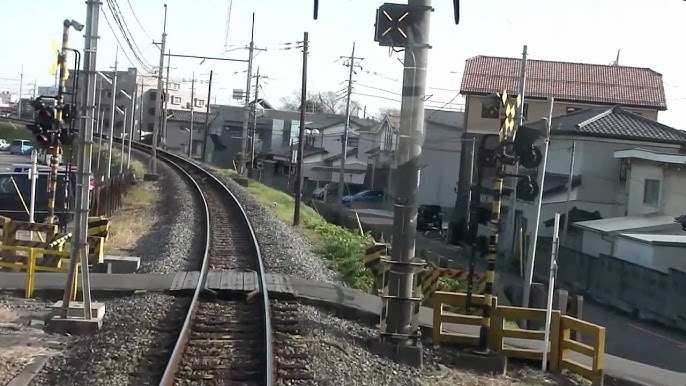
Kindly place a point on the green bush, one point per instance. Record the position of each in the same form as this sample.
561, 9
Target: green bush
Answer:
342, 249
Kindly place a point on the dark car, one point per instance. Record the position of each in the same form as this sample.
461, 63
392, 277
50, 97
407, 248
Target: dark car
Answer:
363, 196
14, 184
429, 217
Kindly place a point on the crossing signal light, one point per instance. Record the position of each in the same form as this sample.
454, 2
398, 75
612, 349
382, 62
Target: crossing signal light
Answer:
393, 24
527, 188
456, 11
528, 154
43, 141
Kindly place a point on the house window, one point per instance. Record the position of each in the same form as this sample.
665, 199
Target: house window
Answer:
176, 100
490, 111
651, 192
199, 102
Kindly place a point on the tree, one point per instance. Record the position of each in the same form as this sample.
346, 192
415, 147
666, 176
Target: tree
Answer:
324, 102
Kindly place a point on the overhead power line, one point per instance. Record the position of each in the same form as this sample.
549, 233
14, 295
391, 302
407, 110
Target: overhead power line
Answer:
138, 21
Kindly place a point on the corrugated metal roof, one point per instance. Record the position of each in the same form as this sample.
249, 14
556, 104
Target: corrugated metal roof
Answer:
615, 224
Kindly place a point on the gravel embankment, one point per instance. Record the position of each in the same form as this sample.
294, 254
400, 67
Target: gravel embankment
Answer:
175, 239
284, 249
138, 331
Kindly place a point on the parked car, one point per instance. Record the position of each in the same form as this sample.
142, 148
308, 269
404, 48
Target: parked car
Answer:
44, 156
429, 217
363, 196
12, 201
4, 145
21, 147
319, 193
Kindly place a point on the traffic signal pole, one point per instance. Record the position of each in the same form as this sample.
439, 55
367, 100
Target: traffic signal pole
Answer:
242, 169
410, 139
61, 90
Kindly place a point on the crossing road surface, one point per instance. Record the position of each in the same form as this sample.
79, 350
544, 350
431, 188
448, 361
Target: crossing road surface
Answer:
6, 160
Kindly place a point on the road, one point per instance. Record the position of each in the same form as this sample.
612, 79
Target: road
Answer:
6, 160
626, 337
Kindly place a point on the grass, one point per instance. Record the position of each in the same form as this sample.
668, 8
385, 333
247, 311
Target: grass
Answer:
515, 377
134, 219
342, 249
10, 131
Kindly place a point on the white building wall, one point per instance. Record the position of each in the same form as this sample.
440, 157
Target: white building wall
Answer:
634, 251
594, 244
669, 256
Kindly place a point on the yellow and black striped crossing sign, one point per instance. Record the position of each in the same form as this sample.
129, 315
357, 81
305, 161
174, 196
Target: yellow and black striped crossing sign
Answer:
372, 257
429, 279
98, 227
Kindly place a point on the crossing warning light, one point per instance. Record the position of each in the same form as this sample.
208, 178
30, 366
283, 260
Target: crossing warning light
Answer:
394, 23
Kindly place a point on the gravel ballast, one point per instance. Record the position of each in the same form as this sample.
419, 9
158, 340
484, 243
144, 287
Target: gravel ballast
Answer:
284, 249
131, 348
176, 238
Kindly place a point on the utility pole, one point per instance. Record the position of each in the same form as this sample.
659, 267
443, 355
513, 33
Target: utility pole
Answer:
254, 125
520, 121
123, 142
100, 116
569, 193
207, 120
531, 261
190, 131
140, 111
21, 91
166, 104
246, 115
301, 135
344, 140
401, 281
113, 106
133, 122
85, 138
158, 104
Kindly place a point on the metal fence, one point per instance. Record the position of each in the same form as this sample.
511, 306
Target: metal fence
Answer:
108, 195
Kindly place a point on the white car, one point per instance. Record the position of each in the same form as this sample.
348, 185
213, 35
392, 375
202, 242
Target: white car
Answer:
4, 145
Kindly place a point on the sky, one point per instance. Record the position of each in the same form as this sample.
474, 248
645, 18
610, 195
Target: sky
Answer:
590, 31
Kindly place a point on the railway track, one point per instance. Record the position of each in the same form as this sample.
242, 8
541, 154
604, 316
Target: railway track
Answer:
225, 339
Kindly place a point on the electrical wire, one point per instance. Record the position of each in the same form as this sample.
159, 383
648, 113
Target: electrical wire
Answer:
138, 21
126, 34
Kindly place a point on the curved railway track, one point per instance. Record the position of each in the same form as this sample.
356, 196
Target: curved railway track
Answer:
223, 340
226, 341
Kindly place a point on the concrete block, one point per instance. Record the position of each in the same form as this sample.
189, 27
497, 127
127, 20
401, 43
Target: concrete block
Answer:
74, 325
118, 264
151, 177
76, 309
399, 352
242, 181
489, 363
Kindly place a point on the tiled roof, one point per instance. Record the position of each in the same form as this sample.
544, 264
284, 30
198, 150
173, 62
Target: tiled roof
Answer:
579, 82
613, 122
185, 116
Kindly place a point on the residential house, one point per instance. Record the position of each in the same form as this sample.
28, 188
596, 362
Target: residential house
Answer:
376, 149
653, 241
179, 133
605, 139
575, 86
127, 81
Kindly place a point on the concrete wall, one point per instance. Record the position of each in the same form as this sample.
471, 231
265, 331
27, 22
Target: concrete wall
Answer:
648, 294
536, 110
594, 244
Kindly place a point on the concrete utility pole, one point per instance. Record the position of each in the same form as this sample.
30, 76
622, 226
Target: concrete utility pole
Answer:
246, 114
531, 261
570, 179
85, 140
140, 111
520, 121
122, 135
190, 130
410, 138
253, 136
207, 120
344, 140
301, 135
21, 91
113, 106
133, 122
158, 104
166, 104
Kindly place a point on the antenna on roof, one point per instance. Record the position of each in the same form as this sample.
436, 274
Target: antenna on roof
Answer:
616, 62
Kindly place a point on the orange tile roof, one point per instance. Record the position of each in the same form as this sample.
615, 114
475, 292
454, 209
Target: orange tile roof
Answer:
578, 82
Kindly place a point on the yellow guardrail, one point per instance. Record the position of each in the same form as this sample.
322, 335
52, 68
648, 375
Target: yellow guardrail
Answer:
500, 331
561, 345
441, 316
596, 350
30, 264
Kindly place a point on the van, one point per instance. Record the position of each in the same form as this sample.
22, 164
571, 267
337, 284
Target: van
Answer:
21, 147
